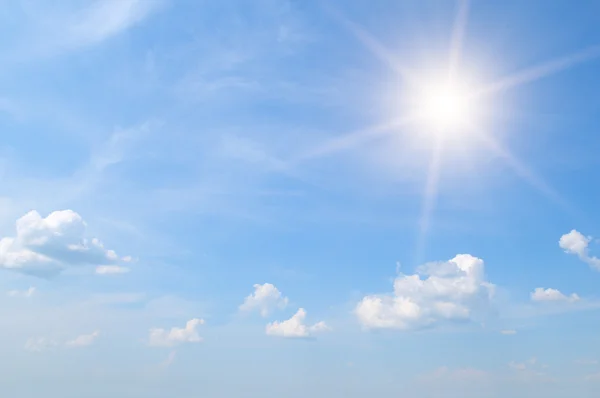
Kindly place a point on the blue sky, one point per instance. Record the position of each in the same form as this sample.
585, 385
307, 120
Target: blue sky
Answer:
241, 199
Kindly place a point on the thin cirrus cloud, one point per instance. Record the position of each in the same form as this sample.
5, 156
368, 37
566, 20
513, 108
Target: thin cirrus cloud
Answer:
578, 244
451, 291
553, 295
170, 338
265, 299
46, 246
295, 327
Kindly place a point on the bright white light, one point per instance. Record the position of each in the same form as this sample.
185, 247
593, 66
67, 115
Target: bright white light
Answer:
445, 108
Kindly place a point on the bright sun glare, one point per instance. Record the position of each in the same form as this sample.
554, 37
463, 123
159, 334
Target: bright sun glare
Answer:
445, 108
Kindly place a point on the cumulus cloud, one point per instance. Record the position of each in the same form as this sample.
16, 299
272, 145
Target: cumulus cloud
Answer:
46, 246
552, 295
83, 340
111, 270
169, 338
295, 327
576, 243
21, 293
265, 299
448, 291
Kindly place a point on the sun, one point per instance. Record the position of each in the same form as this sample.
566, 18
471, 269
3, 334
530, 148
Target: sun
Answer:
444, 107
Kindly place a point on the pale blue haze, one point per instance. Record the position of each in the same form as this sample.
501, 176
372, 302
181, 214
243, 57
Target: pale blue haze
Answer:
178, 131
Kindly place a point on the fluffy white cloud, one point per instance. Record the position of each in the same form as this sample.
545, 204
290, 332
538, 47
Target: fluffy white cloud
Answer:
576, 243
22, 293
83, 340
45, 246
169, 338
553, 295
451, 290
265, 299
295, 327
111, 270
40, 344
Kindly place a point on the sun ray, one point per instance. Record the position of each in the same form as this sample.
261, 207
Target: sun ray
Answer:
433, 172
354, 139
538, 72
372, 44
522, 170
429, 196
458, 34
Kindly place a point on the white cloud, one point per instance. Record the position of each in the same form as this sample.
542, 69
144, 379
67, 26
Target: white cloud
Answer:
508, 332
40, 344
111, 270
552, 295
169, 338
45, 246
265, 299
83, 340
295, 327
576, 243
451, 291
22, 293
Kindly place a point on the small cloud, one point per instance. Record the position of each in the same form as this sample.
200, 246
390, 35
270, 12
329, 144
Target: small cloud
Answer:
508, 332
593, 377
83, 340
21, 293
40, 344
111, 270
265, 299
447, 374
295, 327
576, 243
586, 362
552, 295
169, 338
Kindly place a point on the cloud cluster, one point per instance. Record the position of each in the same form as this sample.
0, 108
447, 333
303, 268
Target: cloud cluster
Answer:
169, 338
295, 327
265, 299
576, 243
446, 291
552, 295
46, 246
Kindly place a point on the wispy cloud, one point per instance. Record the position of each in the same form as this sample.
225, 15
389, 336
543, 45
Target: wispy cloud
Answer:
22, 293
51, 31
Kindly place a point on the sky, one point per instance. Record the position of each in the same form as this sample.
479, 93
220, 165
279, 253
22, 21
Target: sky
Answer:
299, 198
